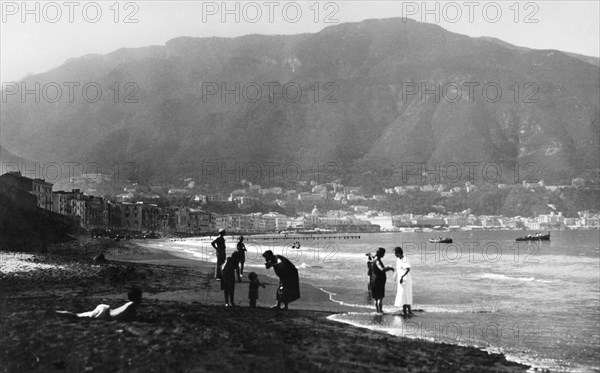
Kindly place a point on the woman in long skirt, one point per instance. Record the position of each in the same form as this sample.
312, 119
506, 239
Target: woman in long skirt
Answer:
289, 281
228, 274
379, 279
404, 296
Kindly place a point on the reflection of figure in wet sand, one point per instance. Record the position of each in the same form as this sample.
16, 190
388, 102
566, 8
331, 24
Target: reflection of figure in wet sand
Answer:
126, 312
378, 319
289, 283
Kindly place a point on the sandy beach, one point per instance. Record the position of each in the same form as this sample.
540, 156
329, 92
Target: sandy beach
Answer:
182, 324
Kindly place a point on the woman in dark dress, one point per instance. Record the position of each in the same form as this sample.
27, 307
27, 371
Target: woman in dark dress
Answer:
228, 274
289, 282
379, 279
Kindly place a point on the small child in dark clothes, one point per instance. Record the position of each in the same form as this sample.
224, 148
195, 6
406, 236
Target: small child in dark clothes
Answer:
253, 288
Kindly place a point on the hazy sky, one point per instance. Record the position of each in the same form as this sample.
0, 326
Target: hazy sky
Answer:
66, 29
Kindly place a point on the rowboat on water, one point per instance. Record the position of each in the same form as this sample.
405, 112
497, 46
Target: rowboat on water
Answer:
440, 240
537, 237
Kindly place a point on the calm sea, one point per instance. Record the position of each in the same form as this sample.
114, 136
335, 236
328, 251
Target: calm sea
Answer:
536, 302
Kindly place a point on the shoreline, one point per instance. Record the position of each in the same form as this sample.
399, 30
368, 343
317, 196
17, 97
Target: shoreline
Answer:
182, 323
311, 295
276, 235
334, 307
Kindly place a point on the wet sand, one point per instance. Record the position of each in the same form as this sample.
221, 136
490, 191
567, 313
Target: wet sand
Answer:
182, 324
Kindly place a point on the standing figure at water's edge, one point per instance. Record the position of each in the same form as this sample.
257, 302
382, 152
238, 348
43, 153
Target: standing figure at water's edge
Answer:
241, 248
403, 282
379, 279
219, 245
371, 258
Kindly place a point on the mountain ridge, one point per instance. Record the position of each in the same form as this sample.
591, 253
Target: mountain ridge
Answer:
174, 128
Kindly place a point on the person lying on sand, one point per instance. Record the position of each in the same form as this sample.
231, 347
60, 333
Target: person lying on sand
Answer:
126, 312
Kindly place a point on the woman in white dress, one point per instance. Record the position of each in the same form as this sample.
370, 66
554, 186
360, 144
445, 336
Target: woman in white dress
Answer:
404, 296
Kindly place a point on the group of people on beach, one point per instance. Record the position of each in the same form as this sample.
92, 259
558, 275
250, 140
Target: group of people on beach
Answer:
229, 268
377, 279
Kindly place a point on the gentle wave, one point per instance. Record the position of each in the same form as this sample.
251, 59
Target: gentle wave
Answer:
423, 308
342, 303
496, 276
397, 327
305, 265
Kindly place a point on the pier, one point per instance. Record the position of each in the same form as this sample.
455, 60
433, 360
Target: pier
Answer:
300, 238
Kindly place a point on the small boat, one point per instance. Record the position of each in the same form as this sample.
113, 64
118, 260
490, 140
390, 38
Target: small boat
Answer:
440, 240
537, 237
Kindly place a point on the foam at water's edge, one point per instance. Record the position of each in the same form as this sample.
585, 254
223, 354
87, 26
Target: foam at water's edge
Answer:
423, 308
341, 303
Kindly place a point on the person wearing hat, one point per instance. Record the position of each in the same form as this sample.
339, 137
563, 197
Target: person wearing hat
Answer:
289, 282
219, 245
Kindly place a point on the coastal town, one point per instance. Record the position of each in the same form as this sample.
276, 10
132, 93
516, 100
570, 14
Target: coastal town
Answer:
142, 210
300, 186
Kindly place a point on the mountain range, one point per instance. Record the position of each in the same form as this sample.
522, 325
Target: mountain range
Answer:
364, 118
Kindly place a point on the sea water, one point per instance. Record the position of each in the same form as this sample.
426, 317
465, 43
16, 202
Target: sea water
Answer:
536, 302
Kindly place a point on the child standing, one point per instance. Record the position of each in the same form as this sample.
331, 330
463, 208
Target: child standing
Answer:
253, 289
230, 269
